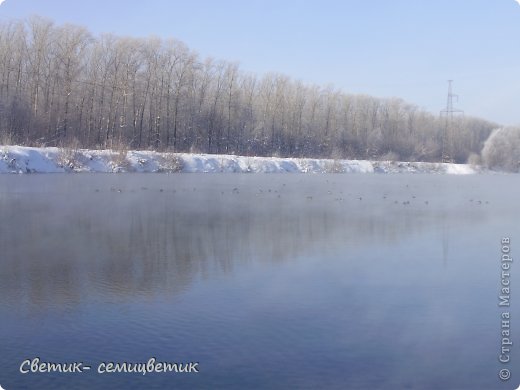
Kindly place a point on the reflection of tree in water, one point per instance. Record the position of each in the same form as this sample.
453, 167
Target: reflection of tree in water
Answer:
131, 245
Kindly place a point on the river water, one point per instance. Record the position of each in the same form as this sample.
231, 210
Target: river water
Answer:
265, 281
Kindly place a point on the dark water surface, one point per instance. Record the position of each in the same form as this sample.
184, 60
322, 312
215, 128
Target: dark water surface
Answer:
267, 281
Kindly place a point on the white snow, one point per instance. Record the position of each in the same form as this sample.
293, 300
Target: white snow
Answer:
459, 169
20, 159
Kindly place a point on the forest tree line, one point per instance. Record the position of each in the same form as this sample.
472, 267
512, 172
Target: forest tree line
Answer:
60, 85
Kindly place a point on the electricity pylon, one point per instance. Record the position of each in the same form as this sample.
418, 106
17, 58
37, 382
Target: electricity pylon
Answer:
447, 135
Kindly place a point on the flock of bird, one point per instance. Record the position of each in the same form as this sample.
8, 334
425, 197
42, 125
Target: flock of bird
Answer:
340, 196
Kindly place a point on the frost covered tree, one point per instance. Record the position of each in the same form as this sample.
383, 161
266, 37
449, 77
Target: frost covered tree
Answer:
502, 150
59, 85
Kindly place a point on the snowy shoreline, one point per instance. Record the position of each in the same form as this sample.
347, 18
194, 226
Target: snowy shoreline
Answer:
20, 159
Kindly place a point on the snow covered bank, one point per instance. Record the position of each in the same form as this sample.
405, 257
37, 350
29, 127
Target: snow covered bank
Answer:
19, 159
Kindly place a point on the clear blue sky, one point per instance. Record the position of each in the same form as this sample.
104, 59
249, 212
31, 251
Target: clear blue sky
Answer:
403, 48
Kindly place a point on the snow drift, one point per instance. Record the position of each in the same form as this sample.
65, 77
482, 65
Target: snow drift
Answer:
19, 159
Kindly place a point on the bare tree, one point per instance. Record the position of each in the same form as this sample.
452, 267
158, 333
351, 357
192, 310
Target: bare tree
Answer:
60, 85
